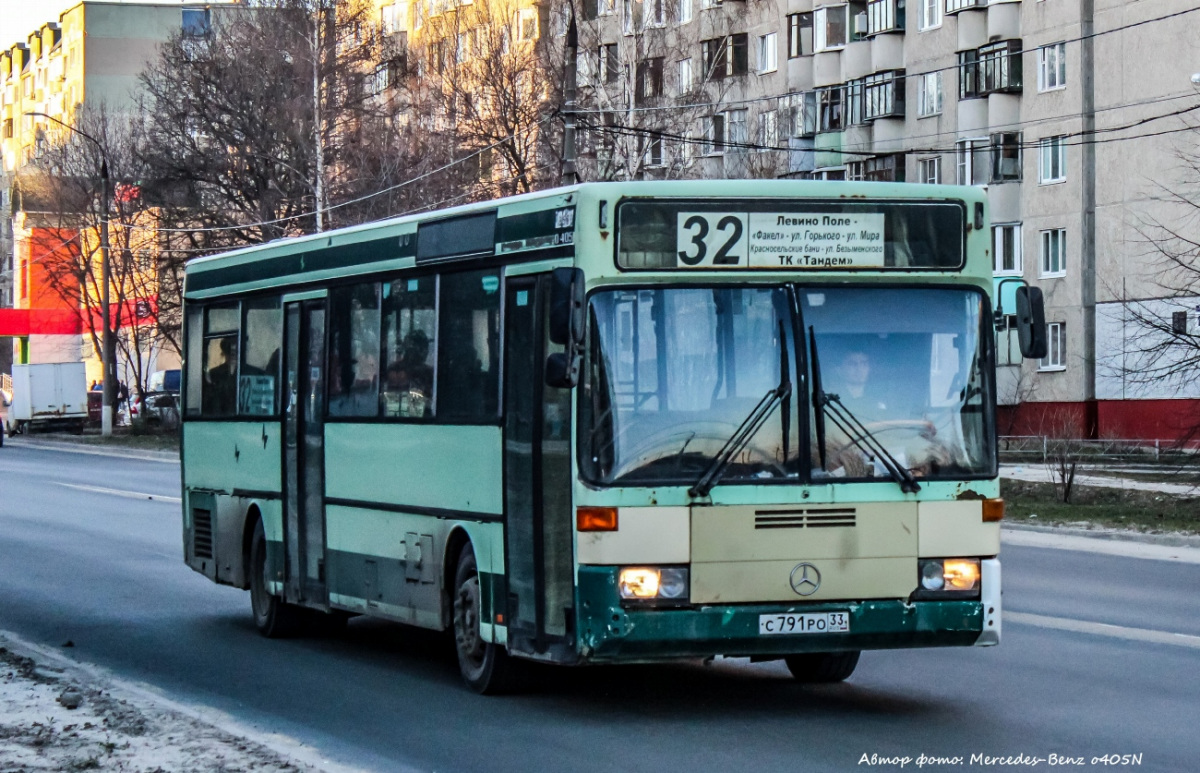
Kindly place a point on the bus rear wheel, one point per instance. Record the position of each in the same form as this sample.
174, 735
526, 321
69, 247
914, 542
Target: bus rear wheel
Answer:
273, 617
822, 667
486, 668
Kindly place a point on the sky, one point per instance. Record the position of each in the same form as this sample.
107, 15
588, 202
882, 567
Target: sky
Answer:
18, 18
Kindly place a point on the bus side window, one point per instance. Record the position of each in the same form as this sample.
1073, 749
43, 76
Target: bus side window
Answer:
468, 372
195, 355
354, 350
262, 339
409, 347
218, 396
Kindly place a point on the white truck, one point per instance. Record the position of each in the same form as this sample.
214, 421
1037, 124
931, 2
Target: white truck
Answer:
52, 394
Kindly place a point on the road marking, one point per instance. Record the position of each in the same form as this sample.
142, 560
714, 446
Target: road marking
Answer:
122, 493
1104, 629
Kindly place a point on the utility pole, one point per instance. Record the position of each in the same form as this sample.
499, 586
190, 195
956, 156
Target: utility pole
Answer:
569, 176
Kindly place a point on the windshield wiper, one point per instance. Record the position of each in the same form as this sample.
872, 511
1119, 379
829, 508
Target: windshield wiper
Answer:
854, 429
749, 426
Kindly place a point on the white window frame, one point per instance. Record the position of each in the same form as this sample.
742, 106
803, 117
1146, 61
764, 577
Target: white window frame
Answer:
654, 14
737, 122
685, 11
1052, 67
821, 28
768, 130
1048, 242
685, 78
627, 24
1056, 347
710, 135
768, 53
606, 7
1013, 233
1052, 152
929, 94
929, 15
929, 170
965, 161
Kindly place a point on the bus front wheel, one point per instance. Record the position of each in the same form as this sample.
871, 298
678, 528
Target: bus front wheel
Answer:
486, 667
273, 617
822, 667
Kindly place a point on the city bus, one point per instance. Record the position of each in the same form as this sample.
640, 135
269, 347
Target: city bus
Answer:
612, 423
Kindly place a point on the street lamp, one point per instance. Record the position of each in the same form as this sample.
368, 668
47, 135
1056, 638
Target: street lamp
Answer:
108, 365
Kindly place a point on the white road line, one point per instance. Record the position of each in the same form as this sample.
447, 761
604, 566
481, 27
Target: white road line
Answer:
1104, 629
122, 493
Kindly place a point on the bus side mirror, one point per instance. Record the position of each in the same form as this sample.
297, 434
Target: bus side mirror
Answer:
1031, 322
567, 316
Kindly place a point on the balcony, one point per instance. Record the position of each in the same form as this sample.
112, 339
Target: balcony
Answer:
885, 16
954, 6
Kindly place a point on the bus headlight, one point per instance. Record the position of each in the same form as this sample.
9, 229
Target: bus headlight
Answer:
646, 583
948, 577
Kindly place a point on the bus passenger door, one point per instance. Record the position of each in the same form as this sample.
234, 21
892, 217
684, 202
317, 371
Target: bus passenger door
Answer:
537, 497
304, 454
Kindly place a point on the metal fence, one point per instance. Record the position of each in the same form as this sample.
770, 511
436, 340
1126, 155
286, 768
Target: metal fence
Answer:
1146, 450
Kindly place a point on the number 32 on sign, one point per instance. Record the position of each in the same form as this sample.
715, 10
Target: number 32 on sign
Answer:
779, 240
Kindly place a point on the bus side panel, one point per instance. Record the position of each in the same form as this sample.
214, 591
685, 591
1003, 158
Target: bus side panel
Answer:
451, 468
230, 467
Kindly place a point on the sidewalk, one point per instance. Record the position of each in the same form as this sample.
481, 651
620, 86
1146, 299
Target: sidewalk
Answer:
60, 715
1039, 473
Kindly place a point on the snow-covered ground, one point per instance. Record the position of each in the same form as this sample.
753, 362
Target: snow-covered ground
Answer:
56, 717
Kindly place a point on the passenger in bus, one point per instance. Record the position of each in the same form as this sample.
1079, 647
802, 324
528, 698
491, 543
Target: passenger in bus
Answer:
855, 389
219, 396
409, 382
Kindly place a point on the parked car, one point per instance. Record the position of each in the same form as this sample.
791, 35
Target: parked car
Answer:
162, 400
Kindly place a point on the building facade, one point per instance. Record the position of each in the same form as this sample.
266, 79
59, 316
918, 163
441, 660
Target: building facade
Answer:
90, 57
1074, 115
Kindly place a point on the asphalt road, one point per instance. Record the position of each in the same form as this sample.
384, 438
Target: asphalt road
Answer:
87, 557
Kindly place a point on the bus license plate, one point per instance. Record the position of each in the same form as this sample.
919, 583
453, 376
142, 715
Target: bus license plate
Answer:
811, 622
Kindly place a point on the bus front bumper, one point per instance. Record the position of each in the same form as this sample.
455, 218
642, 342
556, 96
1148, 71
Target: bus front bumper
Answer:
609, 631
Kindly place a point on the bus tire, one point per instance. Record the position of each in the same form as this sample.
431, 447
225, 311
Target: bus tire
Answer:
274, 617
822, 667
486, 668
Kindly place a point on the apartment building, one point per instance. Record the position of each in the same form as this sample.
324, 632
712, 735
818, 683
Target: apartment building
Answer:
88, 57
1073, 114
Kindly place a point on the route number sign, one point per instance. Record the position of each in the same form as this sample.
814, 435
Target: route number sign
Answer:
787, 240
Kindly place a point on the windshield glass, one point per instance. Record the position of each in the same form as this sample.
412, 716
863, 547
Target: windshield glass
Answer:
907, 364
672, 373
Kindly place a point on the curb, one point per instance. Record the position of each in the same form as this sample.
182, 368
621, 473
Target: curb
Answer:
1174, 540
140, 454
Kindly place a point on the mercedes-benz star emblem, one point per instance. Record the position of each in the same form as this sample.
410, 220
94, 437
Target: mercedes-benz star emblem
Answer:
805, 579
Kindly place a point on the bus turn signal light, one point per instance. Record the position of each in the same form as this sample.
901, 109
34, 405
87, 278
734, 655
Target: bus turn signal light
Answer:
596, 518
993, 510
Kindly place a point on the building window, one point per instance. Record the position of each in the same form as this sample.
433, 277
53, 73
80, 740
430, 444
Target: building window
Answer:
627, 16
1179, 322
954, 6
1006, 157
830, 102
1052, 67
1056, 351
652, 150
1006, 240
714, 135
655, 13
768, 130
854, 103
1052, 160
931, 14
604, 7
527, 24
685, 75
877, 169
802, 112
972, 161
768, 53
725, 56
610, 67
995, 68
883, 95
885, 16
649, 79
197, 22
929, 94
1054, 252
735, 126
685, 11
930, 170
831, 27
800, 34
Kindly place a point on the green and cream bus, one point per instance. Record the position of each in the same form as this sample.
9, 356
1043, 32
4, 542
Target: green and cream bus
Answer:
614, 422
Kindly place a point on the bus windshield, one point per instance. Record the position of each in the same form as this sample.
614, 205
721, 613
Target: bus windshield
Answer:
672, 375
907, 366
673, 372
